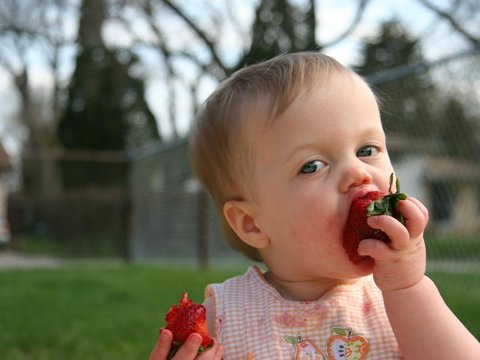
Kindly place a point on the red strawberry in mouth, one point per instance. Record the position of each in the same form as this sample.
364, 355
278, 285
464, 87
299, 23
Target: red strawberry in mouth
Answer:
186, 319
370, 204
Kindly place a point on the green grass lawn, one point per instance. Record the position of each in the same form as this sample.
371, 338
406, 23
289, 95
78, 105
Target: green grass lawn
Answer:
453, 248
91, 312
461, 292
115, 311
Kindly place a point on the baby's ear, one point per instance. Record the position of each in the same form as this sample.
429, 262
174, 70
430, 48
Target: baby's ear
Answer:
240, 216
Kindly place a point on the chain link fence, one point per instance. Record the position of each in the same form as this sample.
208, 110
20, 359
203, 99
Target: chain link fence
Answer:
172, 217
432, 120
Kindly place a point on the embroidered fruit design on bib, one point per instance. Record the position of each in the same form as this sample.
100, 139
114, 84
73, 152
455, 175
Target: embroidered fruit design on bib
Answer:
304, 348
344, 345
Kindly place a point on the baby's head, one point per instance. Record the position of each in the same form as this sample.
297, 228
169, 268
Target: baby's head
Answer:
220, 144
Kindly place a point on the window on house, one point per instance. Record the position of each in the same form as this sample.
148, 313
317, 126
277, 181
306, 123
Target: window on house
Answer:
442, 201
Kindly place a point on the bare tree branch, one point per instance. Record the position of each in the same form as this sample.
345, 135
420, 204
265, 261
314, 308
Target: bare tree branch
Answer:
356, 20
27, 25
233, 19
453, 22
208, 43
53, 41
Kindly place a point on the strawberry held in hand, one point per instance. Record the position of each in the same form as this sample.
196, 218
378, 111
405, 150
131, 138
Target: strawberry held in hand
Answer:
186, 319
370, 204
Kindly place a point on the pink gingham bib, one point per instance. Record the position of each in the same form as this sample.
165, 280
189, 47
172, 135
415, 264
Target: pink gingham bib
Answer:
254, 322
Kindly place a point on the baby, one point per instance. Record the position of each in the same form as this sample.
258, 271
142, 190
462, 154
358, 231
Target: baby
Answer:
285, 147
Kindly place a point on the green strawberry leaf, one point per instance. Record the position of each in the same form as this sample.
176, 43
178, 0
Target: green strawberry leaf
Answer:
387, 205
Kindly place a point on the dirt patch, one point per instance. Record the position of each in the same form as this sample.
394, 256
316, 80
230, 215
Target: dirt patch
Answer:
13, 260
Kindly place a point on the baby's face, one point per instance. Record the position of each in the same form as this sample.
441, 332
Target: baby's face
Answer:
310, 163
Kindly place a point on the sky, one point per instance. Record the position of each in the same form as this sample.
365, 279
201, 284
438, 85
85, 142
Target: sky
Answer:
333, 16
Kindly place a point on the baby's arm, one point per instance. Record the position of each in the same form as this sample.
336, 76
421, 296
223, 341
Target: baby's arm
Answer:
423, 324
425, 327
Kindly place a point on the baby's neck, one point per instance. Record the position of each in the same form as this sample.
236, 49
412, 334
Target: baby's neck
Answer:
303, 290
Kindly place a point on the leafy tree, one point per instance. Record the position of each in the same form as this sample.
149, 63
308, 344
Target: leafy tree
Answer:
413, 107
278, 26
281, 26
106, 110
408, 101
457, 131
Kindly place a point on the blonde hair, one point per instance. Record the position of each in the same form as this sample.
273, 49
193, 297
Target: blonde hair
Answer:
218, 143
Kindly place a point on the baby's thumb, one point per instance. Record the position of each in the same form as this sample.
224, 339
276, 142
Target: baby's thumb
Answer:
374, 248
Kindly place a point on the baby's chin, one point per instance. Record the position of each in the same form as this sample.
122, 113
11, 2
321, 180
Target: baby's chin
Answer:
350, 270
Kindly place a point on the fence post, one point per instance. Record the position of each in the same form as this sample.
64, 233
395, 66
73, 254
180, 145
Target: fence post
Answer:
202, 231
128, 211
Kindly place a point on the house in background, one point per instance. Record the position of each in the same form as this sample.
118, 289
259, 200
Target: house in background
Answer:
449, 187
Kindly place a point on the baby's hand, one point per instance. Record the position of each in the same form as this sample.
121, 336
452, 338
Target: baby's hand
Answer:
188, 351
401, 263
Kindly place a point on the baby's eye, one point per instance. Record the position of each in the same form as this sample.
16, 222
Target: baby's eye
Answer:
312, 167
369, 150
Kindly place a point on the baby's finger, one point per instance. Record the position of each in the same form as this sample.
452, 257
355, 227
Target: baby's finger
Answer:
415, 216
219, 353
162, 347
422, 207
213, 353
374, 248
398, 234
189, 349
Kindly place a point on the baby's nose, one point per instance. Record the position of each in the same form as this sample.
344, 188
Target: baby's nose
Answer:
354, 174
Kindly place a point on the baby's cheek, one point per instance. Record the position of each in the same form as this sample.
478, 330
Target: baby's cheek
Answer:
313, 226
331, 224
